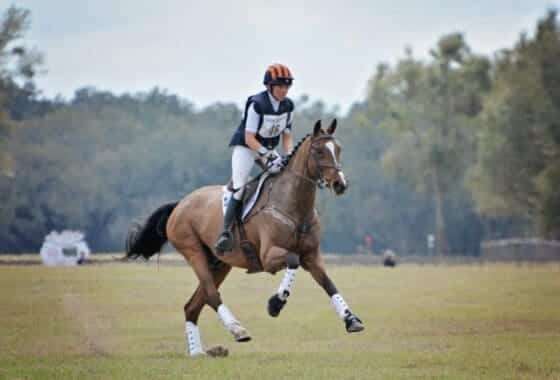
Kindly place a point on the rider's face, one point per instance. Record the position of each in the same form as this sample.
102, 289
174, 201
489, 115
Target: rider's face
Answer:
280, 91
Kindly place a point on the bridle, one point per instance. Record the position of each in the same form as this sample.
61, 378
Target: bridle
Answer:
320, 181
312, 153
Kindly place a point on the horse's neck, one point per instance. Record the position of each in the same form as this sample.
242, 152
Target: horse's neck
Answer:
293, 191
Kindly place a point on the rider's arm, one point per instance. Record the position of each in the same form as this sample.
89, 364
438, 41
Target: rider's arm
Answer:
252, 142
287, 141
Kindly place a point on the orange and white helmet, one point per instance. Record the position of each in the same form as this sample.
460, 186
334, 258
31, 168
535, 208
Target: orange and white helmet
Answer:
278, 74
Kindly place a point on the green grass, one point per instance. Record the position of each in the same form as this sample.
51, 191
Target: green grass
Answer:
126, 322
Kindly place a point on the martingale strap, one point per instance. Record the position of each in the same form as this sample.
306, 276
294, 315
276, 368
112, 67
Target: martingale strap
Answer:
249, 250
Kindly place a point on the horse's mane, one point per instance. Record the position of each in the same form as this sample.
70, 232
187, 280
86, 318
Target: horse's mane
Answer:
294, 151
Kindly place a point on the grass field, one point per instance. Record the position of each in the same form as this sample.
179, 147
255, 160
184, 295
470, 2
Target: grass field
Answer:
125, 321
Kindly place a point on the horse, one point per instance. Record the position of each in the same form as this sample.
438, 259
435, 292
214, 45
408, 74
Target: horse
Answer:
283, 228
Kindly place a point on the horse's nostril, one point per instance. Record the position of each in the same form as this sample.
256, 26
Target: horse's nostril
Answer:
338, 187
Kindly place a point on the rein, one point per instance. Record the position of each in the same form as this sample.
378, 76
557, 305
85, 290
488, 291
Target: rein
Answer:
320, 181
257, 177
304, 223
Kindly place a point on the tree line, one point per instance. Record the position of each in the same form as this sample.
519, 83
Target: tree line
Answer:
459, 145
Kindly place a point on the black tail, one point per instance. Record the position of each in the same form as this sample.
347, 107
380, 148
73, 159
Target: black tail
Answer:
148, 239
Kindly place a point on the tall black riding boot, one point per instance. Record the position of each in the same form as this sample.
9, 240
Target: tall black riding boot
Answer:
225, 241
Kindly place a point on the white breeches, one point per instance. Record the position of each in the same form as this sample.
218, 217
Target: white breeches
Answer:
242, 162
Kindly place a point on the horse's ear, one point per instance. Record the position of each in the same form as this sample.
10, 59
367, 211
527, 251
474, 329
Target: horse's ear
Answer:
317, 128
332, 127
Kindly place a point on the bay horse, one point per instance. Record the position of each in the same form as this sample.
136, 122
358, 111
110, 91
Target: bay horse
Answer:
283, 227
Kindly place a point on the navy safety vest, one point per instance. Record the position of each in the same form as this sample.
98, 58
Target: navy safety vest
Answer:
271, 123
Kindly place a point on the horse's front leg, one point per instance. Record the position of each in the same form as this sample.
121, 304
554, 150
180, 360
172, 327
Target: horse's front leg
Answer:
314, 264
279, 299
277, 258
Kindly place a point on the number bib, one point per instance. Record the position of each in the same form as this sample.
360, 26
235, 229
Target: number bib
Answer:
273, 125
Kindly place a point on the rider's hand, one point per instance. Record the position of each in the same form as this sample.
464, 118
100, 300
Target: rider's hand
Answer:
270, 156
275, 165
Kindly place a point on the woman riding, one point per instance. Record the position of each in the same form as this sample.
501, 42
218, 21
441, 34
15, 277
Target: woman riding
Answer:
267, 119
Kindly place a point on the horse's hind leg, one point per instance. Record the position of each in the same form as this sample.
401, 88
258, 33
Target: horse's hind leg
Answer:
194, 306
213, 299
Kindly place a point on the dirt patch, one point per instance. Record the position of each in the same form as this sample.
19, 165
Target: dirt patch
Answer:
19, 262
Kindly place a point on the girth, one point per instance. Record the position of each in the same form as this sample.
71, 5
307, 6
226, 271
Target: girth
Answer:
249, 250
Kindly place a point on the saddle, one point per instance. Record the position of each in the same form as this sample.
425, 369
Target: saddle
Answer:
248, 194
250, 197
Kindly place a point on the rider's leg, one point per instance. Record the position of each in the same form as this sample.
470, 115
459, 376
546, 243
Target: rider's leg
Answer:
242, 162
225, 241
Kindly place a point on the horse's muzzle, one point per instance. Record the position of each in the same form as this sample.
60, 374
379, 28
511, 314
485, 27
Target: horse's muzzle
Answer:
339, 187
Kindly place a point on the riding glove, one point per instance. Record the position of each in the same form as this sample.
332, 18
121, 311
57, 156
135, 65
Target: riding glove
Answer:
275, 165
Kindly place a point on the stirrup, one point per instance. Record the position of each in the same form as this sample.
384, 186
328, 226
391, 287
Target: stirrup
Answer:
224, 243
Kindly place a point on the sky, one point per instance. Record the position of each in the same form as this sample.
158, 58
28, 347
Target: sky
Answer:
210, 51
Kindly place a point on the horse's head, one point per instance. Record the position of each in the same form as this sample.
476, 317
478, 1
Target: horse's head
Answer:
324, 158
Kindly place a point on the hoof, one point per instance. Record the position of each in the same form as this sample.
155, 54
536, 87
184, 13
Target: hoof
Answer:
275, 305
217, 352
353, 323
197, 354
239, 333
242, 339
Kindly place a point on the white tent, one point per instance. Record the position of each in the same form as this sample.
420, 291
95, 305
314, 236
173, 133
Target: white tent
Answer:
64, 249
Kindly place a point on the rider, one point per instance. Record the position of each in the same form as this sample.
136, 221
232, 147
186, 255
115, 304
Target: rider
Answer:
268, 115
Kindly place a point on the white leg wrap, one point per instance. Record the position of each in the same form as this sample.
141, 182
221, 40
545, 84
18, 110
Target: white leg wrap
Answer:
192, 334
226, 316
286, 285
340, 305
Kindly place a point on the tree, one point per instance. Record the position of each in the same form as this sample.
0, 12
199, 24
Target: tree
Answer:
519, 151
18, 67
430, 109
